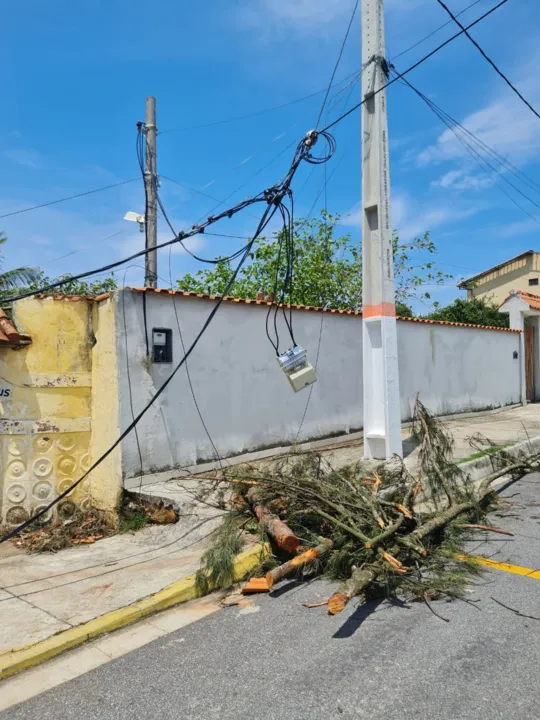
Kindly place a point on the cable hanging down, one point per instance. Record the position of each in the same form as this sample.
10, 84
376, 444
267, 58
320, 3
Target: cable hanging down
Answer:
273, 198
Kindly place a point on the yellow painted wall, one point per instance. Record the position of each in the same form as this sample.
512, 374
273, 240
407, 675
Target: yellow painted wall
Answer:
46, 423
496, 286
106, 480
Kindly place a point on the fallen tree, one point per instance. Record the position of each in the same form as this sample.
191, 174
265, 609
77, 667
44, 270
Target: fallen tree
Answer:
383, 531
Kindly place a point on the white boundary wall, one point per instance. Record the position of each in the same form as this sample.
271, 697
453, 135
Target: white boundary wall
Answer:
244, 397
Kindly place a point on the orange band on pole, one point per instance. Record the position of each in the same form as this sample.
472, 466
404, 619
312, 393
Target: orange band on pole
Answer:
384, 309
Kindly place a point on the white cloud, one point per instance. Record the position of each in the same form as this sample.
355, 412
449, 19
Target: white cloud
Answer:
460, 180
307, 17
413, 218
24, 156
517, 229
39, 239
301, 16
504, 124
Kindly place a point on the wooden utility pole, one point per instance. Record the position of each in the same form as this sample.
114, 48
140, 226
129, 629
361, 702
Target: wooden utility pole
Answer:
382, 413
150, 181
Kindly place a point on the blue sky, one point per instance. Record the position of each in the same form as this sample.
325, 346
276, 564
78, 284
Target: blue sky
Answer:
75, 77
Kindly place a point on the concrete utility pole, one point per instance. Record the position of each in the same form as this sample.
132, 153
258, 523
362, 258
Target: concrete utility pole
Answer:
382, 414
150, 180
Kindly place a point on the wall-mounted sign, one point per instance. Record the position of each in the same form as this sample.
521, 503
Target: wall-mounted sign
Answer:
6, 395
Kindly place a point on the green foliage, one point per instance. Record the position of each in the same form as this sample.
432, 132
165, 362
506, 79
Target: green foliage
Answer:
491, 450
33, 278
133, 522
217, 563
475, 312
17, 278
328, 269
74, 287
412, 272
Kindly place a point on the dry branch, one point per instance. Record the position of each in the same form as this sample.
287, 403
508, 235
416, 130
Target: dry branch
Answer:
487, 528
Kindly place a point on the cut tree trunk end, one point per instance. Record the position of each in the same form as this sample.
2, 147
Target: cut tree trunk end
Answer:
355, 585
256, 585
291, 566
271, 524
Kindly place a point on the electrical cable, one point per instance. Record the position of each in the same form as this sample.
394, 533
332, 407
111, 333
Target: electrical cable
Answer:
336, 65
200, 192
215, 261
486, 57
415, 65
253, 114
196, 230
324, 189
273, 197
301, 425
246, 159
188, 375
482, 161
431, 34
517, 172
268, 214
302, 153
128, 371
251, 177
70, 197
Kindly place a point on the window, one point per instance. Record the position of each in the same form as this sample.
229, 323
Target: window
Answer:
161, 345
533, 281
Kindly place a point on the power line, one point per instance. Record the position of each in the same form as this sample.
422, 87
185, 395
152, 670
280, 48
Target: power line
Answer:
253, 114
188, 374
196, 230
416, 64
450, 124
504, 162
269, 212
336, 65
431, 34
303, 152
273, 198
486, 57
70, 197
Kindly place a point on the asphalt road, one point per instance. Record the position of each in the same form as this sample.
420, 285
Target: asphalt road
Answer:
279, 660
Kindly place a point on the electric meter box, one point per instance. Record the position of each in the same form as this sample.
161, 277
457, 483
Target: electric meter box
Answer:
300, 379
159, 337
296, 367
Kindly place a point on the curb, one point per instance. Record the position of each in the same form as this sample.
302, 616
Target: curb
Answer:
479, 468
13, 661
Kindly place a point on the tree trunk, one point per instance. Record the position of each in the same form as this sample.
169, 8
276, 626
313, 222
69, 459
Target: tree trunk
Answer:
355, 585
272, 525
291, 566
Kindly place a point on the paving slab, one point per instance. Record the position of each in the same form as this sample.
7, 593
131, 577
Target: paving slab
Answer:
21, 621
42, 594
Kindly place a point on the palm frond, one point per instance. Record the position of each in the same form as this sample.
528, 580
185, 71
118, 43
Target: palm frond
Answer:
19, 277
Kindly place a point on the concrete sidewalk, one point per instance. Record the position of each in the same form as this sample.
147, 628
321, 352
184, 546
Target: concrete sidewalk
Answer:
501, 427
42, 595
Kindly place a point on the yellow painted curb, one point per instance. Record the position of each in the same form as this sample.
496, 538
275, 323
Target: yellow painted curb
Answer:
13, 661
505, 567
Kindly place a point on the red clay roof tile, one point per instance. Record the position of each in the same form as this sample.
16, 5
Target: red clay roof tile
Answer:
309, 308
